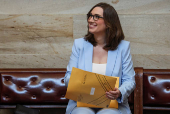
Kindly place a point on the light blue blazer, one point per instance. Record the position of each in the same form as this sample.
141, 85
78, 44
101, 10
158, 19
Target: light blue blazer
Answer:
119, 63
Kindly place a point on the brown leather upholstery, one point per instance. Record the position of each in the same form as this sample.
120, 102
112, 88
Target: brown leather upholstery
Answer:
44, 88
156, 89
36, 86
152, 90
32, 88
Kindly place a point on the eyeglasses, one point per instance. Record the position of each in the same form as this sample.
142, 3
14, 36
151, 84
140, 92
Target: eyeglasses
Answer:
95, 17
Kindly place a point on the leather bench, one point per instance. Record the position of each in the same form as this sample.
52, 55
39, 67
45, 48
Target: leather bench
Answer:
45, 88
152, 91
34, 88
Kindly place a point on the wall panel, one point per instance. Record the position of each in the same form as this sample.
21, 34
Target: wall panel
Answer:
82, 6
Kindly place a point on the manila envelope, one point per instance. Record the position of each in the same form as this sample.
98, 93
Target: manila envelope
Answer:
90, 88
113, 103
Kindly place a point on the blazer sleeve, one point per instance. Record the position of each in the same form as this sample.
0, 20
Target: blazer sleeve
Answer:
128, 75
73, 62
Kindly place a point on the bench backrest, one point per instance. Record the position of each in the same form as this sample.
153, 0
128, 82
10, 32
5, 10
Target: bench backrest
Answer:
152, 90
35, 87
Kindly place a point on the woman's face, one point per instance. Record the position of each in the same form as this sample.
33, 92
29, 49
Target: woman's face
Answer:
97, 26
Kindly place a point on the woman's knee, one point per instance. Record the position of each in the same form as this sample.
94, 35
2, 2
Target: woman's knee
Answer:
82, 110
108, 111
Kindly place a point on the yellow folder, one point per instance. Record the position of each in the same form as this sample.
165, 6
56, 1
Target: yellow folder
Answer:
89, 89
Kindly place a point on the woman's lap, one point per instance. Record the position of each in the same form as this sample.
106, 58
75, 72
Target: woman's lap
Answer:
83, 110
108, 111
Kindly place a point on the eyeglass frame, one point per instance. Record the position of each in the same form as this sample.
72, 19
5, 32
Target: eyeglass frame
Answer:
97, 17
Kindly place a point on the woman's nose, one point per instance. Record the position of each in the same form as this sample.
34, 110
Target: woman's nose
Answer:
91, 19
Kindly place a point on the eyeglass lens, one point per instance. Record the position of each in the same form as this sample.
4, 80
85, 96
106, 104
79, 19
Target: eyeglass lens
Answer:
95, 17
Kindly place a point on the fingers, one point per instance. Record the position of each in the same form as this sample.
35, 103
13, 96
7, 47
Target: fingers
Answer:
113, 94
116, 91
110, 97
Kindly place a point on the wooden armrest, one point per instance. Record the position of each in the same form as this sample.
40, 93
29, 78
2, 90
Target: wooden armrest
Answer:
138, 92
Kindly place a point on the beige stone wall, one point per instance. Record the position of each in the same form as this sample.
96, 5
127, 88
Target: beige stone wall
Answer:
40, 33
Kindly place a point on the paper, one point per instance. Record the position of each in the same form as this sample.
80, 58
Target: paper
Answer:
113, 103
89, 88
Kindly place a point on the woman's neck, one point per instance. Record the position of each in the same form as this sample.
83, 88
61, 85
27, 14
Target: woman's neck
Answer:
100, 39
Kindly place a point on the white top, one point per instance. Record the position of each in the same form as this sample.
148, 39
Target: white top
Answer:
99, 68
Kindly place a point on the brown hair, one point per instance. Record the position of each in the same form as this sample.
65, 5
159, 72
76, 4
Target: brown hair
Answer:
114, 32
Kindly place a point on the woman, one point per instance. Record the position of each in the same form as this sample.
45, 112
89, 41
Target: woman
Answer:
103, 51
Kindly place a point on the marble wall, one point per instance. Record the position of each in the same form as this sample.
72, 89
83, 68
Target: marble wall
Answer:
40, 34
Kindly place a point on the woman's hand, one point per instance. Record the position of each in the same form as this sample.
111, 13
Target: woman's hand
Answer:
113, 94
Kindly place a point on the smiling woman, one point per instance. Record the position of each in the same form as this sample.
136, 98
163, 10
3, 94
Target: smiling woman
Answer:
96, 24
108, 18
104, 51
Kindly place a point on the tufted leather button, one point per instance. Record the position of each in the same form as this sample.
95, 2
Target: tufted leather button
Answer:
48, 87
20, 87
6, 96
167, 88
153, 78
62, 81
7, 79
62, 97
33, 97
33, 79
152, 96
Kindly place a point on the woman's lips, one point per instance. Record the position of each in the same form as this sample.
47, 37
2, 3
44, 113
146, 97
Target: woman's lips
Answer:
92, 26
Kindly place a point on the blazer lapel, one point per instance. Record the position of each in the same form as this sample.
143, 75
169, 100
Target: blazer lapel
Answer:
111, 60
88, 50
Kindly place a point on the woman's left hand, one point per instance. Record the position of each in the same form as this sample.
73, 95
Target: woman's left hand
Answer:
113, 94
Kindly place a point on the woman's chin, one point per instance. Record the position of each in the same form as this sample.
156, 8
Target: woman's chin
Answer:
92, 31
